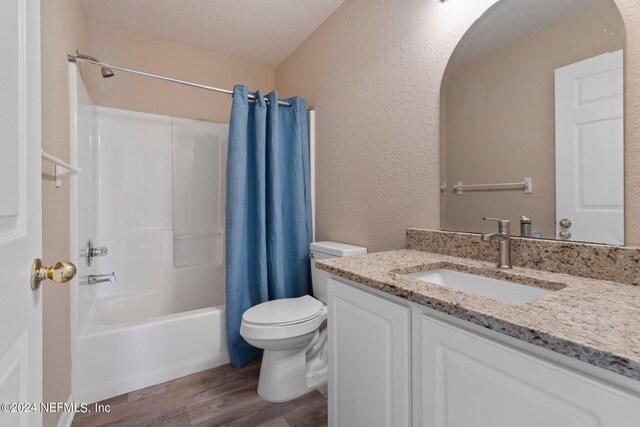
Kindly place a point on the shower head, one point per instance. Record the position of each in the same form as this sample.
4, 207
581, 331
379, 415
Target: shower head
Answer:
106, 72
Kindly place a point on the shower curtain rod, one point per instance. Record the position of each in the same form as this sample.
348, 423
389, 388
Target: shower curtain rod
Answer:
75, 58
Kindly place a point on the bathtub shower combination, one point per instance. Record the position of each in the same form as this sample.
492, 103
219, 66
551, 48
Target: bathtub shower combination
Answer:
151, 191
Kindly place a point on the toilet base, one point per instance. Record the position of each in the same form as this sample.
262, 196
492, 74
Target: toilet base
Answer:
286, 374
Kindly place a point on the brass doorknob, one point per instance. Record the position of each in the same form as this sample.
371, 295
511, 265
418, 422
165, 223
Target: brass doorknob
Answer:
60, 272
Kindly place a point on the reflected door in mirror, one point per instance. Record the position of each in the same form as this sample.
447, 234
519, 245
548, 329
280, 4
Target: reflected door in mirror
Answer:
589, 150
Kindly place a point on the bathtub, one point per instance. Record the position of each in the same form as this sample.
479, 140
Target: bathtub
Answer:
134, 341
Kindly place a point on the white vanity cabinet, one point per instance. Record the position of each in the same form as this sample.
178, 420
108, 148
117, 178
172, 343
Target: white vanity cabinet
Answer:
469, 380
395, 363
369, 359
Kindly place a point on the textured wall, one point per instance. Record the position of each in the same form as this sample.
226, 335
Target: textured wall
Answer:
373, 71
62, 25
130, 92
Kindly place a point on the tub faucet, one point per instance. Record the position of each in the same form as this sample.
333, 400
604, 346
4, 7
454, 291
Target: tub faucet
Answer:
504, 237
101, 278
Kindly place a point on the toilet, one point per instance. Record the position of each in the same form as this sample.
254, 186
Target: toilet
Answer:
292, 332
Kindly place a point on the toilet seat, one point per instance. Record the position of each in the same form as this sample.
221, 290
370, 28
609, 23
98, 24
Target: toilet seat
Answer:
283, 312
257, 322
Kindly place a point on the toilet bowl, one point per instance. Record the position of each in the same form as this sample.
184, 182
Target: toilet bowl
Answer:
292, 332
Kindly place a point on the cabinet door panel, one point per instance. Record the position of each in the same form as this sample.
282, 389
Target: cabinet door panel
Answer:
469, 380
369, 359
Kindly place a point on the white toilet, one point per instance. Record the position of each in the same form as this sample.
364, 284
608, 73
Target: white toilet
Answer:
293, 333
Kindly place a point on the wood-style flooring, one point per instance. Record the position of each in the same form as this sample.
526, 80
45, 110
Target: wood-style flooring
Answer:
222, 396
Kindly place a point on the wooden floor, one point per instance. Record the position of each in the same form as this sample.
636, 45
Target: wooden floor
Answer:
222, 396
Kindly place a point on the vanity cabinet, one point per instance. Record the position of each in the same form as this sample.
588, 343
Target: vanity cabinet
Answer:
369, 359
470, 380
395, 363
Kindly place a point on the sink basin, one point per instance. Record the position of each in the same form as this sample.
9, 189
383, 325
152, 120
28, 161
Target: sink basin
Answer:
501, 290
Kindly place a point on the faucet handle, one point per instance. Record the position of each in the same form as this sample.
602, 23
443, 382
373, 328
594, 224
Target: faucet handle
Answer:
502, 222
99, 251
504, 225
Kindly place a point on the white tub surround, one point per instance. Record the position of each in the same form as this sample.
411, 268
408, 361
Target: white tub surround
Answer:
152, 192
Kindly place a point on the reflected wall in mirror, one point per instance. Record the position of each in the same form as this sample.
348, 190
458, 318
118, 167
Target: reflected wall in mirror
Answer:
534, 90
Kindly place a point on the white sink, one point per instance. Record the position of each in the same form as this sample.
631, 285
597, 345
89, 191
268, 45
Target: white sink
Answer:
501, 290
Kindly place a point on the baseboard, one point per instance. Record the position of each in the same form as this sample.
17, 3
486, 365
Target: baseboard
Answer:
67, 417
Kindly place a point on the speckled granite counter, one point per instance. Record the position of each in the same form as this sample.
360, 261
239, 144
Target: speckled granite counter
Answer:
591, 320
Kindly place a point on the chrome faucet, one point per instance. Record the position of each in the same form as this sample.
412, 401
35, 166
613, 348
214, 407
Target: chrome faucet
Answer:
504, 236
101, 278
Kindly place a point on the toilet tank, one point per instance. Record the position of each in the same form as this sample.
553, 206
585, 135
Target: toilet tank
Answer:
324, 250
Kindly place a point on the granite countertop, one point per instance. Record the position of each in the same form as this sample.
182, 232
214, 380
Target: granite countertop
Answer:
591, 320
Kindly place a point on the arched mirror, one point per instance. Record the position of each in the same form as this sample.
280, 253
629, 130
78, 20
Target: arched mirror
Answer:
532, 122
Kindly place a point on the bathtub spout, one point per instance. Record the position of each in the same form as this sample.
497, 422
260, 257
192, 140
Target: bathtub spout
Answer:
101, 278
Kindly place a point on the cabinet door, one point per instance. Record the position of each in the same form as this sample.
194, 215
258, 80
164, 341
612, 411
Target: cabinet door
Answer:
469, 380
369, 359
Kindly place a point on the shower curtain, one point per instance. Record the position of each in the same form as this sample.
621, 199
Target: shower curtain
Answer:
268, 211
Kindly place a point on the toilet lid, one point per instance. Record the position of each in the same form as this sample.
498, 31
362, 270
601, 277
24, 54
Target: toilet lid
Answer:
285, 311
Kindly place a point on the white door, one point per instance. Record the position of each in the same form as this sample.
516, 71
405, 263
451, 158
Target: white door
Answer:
590, 150
20, 210
369, 359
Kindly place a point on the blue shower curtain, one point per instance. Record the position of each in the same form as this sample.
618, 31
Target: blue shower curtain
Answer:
268, 211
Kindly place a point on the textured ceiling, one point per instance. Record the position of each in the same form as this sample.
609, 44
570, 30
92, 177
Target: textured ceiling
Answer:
512, 20
263, 31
